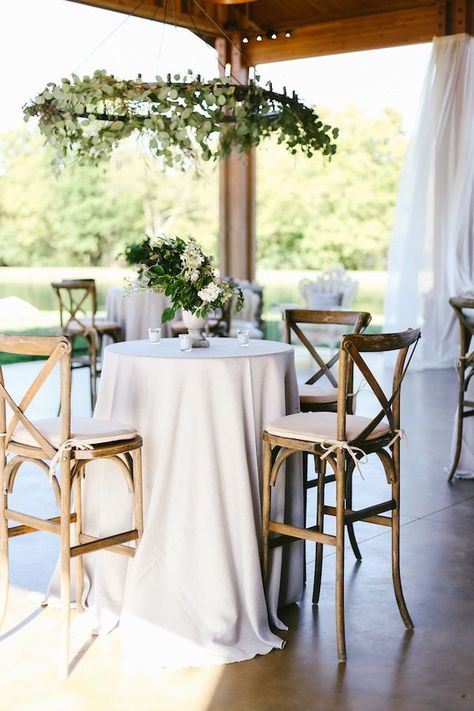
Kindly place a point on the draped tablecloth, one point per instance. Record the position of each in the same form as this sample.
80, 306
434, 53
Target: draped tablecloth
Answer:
193, 594
136, 312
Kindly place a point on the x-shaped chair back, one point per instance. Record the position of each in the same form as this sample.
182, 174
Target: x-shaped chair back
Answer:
357, 321
352, 347
57, 350
77, 301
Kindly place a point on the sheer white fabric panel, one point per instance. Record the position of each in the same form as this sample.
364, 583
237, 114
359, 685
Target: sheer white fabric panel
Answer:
431, 256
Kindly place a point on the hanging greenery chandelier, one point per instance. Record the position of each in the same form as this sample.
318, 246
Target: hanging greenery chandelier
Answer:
180, 120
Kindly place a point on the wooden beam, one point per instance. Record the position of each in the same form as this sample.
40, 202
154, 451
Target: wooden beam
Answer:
183, 13
352, 34
237, 186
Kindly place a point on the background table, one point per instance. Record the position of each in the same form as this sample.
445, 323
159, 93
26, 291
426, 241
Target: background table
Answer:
193, 595
136, 313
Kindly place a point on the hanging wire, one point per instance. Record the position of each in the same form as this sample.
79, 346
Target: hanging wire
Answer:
162, 34
130, 14
222, 64
221, 29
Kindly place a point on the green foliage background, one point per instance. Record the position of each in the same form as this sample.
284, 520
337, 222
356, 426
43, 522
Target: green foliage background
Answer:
311, 213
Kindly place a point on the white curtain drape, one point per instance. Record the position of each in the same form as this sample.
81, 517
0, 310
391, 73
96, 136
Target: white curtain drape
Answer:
432, 251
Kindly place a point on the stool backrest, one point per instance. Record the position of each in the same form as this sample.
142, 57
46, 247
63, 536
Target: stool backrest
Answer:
57, 350
356, 321
352, 348
466, 321
77, 301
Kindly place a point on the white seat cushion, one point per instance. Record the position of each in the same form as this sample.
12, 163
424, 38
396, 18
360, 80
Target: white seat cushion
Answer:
82, 428
322, 427
317, 393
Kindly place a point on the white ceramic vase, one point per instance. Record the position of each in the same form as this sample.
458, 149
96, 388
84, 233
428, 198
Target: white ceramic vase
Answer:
195, 325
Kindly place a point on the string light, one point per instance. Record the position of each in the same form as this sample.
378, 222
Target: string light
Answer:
259, 38
245, 40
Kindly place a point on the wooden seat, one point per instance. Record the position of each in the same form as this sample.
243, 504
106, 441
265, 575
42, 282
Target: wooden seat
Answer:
77, 314
342, 440
465, 370
61, 448
320, 391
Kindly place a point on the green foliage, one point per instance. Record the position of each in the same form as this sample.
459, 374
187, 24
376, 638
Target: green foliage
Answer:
87, 118
311, 214
180, 269
316, 216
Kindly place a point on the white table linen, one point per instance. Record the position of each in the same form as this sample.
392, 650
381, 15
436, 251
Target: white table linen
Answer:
136, 312
193, 595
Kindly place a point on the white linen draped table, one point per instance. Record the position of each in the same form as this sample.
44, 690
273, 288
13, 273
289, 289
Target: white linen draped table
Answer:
193, 595
136, 312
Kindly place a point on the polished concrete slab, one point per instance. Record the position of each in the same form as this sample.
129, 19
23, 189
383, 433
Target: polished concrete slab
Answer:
388, 668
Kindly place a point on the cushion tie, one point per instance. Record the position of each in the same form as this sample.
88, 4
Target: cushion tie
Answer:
67, 446
330, 448
399, 434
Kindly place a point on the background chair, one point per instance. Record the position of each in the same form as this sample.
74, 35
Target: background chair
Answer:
77, 315
333, 290
343, 439
66, 445
465, 370
320, 391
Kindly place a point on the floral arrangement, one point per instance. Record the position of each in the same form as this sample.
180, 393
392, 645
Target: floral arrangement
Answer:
181, 120
181, 270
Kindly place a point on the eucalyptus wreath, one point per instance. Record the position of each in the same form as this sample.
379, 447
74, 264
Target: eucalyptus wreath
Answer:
180, 119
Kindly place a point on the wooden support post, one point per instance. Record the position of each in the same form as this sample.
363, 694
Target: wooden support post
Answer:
237, 185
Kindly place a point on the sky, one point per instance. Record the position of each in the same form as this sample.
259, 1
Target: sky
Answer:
45, 40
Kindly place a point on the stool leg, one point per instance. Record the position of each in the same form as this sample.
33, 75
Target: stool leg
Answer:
397, 582
79, 563
305, 507
266, 507
340, 528
65, 564
350, 526
460, 420
138, 491
4, 581
320, 468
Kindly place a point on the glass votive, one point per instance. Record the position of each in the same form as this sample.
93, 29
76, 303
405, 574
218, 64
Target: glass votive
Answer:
185, 341
243, 336
154, 335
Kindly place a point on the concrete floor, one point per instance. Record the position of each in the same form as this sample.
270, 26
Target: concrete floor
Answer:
388, 668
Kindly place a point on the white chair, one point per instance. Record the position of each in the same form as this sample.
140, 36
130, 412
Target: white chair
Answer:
249, 316
332, 290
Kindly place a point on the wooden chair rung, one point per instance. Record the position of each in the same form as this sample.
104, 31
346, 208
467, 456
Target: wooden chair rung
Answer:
22, 529
51, 525
369, 514
307, 534
124, 550
99, 543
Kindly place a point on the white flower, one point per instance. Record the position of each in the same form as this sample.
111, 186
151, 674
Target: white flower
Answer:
191, 259
210, 293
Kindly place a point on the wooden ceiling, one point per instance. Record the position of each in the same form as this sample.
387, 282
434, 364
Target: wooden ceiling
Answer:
289, 29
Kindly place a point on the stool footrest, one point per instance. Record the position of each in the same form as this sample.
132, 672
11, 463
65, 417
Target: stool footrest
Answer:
32, 524
369, 514
307, 534
94, 544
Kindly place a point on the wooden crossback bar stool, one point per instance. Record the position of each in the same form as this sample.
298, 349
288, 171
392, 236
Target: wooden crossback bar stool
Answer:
465, 370
319, 392
341, 438
65, 445
77, 314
